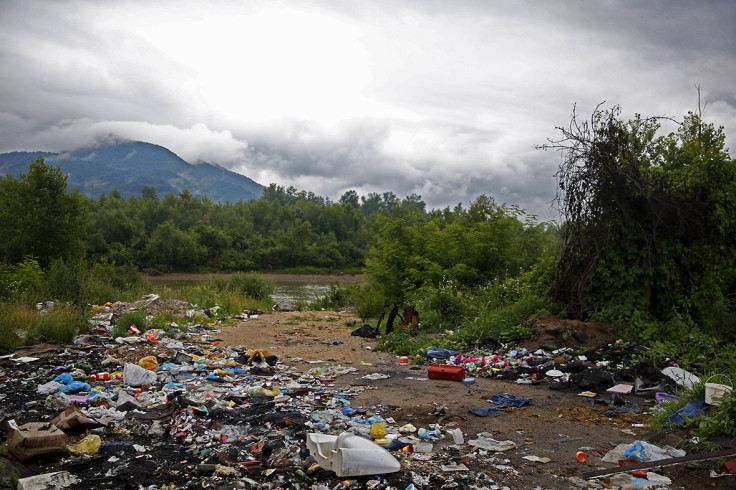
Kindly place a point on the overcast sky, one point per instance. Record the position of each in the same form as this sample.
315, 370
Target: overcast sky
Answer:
445, 99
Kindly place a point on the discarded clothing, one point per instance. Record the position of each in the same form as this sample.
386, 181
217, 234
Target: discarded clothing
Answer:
486, 411
689, 411
506, 401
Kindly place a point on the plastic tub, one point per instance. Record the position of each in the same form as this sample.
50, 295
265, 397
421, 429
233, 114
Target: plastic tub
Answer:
714, 391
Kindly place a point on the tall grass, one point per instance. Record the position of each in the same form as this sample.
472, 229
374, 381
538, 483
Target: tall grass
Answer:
233, 294
58, 325
21, 324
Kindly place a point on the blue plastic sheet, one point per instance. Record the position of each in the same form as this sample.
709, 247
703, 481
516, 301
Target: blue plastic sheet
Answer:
74, 387
68, 385
506, 401
692, 409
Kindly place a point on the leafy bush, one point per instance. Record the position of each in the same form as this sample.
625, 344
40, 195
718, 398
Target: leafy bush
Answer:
367, 300
137, 318
67, 280
108, 282
21, 280
441, 307
252, 285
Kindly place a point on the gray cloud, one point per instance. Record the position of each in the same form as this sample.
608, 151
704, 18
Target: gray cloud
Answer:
444, 99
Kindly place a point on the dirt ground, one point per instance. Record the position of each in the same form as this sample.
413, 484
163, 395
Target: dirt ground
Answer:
556, 424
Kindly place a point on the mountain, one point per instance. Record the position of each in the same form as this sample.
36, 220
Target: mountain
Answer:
131, 165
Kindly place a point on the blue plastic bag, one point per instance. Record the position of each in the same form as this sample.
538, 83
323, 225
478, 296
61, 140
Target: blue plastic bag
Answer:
74, 387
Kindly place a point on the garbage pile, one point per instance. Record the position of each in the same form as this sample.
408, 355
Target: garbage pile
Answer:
155, 410
173, 408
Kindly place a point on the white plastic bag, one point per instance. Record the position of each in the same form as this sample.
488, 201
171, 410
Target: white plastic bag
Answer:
134, 375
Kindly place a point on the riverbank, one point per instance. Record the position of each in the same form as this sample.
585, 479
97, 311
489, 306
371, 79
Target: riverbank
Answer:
297, 278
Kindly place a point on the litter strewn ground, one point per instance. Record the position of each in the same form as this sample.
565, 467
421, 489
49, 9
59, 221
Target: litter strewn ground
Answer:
233, 405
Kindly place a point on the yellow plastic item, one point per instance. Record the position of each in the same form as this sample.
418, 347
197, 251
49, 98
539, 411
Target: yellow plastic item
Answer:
149, 362
378, 430
271, 392
89, 445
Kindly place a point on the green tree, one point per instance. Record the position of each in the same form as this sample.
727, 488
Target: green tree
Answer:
650, 221
39, 217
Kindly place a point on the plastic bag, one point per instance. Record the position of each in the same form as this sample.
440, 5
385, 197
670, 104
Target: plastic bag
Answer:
149, 362
134, 375
89, 445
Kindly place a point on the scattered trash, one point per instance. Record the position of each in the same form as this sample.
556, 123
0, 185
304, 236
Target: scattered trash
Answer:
508, 401
681, 377
350, 455
492, 444
715, 391
59, 479
537, 459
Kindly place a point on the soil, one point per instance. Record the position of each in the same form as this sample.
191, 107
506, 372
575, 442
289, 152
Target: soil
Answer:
556, 424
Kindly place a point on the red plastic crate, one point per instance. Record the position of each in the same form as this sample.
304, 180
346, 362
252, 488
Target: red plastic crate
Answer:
440, 371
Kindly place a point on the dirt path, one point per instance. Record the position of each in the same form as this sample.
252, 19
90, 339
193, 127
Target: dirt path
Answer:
555, 424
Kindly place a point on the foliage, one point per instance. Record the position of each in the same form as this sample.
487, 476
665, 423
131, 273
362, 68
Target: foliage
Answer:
722, 422
251, 285
67, 280
335, 298
367, 300
284, 230
460, 247
39, 217
649, 220
21, 279
137, 318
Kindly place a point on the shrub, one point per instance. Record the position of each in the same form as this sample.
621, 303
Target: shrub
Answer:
367, 300
21, 280
137, 318
67, 281
252, 285
335, 298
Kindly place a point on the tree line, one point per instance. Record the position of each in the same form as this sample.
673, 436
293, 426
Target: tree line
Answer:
286, 229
